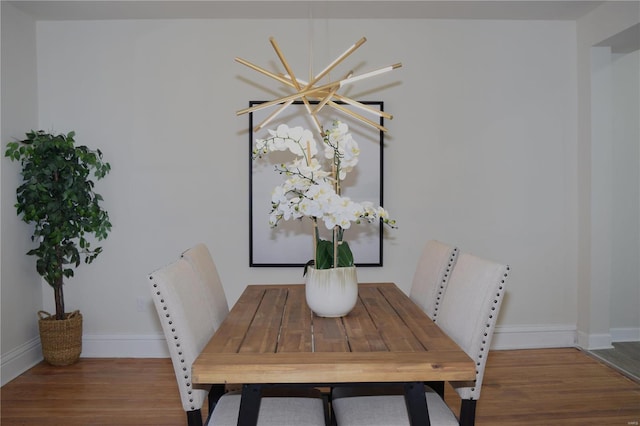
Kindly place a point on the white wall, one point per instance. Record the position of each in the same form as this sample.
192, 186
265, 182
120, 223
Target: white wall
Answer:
595, 173
20, 285
482, 153
478, 154
625, 265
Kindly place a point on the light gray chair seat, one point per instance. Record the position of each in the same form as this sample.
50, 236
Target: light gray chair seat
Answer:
274, 411
386, 410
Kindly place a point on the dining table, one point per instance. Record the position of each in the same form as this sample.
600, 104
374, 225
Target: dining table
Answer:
271, 337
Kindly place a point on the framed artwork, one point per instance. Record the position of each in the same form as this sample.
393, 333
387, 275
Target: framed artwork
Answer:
291, 242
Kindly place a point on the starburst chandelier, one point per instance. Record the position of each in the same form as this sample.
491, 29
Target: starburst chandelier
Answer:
316, 95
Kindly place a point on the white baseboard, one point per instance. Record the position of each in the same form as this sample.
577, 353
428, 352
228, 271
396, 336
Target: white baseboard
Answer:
19, 360
625, 334
504, 338
124, 346
154, 345
594, 341
24, 357
534, 336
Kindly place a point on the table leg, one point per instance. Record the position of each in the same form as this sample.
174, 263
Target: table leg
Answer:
416, 404
249, 405
438, 387
215, 393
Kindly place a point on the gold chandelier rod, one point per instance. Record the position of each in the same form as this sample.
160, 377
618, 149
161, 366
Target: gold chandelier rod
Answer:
357, 116
339, 59
363, 106
296, 85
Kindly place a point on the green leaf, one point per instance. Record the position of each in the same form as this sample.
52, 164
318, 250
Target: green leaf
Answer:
324, 254
345, 257
307, 265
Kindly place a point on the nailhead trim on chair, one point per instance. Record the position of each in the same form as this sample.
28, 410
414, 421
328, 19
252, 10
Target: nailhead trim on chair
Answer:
176, 338
493, 308
454, 254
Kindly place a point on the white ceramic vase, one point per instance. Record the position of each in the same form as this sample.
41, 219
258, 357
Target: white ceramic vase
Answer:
331, 292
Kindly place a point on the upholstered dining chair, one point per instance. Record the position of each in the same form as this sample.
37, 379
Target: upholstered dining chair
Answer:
188, 317
200, 259
432, 275
468, 314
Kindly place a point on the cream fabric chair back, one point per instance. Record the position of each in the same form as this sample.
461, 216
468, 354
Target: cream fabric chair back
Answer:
432, 276
187, 322
190, 310
202, 263
467, 313
469, 310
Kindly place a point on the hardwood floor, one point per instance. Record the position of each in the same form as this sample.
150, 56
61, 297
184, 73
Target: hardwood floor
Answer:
128, 391
555, 387
524, 387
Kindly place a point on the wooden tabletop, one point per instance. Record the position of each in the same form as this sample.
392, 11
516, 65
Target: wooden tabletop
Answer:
271, 336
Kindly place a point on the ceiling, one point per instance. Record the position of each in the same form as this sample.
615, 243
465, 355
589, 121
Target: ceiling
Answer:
334, 9
624, 42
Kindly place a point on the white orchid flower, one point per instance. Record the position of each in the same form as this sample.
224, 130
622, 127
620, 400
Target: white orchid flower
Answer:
310, 184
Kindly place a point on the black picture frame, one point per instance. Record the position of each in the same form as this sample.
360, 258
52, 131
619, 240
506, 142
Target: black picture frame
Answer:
290, 243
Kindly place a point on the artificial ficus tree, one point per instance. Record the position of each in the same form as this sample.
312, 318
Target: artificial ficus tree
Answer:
57, 196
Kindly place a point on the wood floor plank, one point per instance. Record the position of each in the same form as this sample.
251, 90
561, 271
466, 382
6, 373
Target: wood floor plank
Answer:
536, 387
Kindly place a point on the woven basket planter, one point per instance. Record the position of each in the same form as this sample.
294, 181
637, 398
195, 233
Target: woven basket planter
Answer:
61, 339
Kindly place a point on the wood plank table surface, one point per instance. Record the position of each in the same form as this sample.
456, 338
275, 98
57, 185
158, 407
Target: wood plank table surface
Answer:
271, 337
